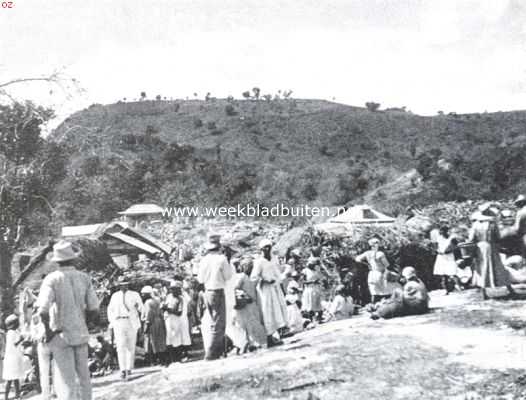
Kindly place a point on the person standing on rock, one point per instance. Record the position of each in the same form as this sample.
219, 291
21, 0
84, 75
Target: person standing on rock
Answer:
214, 273
71, 294
124, 314
271, 299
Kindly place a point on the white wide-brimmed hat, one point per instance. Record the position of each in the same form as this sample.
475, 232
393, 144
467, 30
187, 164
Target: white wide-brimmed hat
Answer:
408, 272
64, 251
147, 290
264, 243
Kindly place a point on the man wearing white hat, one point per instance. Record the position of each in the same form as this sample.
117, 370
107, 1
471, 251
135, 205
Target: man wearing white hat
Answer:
74, 300
273, 305
124, 314
214, 273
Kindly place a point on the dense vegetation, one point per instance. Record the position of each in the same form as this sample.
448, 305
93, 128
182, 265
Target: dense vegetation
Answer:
264, 149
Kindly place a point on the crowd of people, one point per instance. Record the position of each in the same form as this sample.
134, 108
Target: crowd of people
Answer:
238, 304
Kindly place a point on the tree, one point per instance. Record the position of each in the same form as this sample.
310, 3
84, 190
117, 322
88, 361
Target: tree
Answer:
143, 96
246, 95
158, 97
257, 92
20, 169
372, 106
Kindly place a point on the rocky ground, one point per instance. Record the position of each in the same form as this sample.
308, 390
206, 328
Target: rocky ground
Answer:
464, 349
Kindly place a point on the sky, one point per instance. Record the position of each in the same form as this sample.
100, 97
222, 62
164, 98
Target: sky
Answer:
427, 55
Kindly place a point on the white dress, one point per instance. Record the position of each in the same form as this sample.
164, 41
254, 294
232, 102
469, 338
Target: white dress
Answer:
445, 263
270, 295
13, 358
295, 319
177, 333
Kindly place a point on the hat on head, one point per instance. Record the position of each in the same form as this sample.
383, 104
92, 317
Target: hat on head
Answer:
264, 243
409, 272
339, 288
373, 240
313, 260
214, 241
507, 213
147, 290
475, 216
122, 281
521, 199
176, 284
64, 251
292, 287
11, 321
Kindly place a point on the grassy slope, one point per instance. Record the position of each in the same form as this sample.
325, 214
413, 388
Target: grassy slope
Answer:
291, 140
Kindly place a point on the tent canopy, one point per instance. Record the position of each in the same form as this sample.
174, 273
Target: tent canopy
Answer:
362, 214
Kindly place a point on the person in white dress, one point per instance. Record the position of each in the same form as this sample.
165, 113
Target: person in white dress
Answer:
312, 291
124, 314
271, 298
294, 317
176, 319
379, 285
445, 263
13, 371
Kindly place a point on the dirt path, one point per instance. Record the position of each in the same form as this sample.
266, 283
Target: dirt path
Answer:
464, 349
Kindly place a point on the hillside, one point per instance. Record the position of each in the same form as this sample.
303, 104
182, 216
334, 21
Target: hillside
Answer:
222, 151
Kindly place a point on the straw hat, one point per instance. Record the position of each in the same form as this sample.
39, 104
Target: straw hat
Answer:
64, 251
264, 243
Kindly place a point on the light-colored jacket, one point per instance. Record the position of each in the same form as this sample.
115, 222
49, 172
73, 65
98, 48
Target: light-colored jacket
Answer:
126, 304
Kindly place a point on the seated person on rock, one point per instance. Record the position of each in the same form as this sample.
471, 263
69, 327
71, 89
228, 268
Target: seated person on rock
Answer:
412, 299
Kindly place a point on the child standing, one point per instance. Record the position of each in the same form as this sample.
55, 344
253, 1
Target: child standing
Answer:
14, 357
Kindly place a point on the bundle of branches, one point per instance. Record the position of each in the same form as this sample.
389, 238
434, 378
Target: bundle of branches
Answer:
402, 246
456, 214
95, 255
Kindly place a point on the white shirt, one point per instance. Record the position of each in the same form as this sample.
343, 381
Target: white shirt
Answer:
214, 271
125, 305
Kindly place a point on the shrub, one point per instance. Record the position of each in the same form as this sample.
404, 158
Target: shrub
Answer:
372, 106
198, 123
230, 110
211, 125
216, 132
